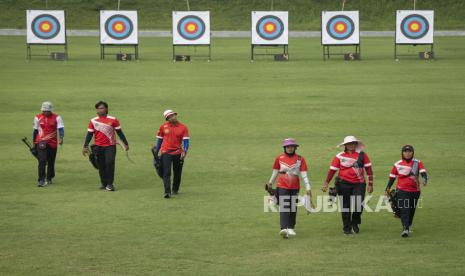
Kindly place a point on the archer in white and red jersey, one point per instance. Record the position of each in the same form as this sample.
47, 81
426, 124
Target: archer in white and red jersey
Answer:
48, 133
407, 171
288, 167
351, 184
104, 129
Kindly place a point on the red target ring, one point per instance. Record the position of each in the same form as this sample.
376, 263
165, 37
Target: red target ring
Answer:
340, 27
118, 27
270, 27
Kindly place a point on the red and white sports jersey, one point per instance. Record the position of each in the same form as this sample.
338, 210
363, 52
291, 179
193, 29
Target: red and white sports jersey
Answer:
172, 135
104, 130
289, 170
344, 162
405, 181
47, 127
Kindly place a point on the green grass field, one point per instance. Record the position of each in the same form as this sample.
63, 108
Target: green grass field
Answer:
238, 112
235, 14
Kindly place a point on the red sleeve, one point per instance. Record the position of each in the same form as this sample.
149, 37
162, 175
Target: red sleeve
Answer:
90, 127
185, 133
394, 172
276, 165
368, 169
330, 175
160, 133
370, 175
366, 161
336, 164
421, 167
303, 165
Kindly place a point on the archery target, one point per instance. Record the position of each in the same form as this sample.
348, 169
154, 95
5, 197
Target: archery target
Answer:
45, 27
340, 27
414, 27
270, 28
118, 27
191, 28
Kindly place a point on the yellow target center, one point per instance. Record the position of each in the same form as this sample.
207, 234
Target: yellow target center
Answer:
191, 27
269, 27
415, 27
340, 27
119, 27
46, 27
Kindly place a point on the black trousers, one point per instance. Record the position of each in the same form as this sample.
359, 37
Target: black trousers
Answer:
46, 161
106, 163
174, 161
407, 202
287, 200
351, 196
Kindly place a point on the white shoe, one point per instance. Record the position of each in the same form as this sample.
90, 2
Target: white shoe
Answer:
291, 232
284, 233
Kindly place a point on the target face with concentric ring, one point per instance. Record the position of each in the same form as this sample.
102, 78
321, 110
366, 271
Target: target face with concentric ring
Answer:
340, 27
414, 26
191, 27
119, 27
45, 26
270, 27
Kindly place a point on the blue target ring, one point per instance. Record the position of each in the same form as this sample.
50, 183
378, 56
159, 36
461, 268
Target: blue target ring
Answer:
414, 26
270, 27
191, 27
340, 27
45, 26
119, 27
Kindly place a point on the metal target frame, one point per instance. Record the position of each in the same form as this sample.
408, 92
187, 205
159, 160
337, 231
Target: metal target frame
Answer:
205, 28
430, 27
29, 45
326, 46
259, 46
134, 46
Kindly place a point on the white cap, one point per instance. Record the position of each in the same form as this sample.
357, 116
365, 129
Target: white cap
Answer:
47, 106
351, 139
168, 113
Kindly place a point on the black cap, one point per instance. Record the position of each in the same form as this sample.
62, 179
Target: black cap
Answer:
407, 148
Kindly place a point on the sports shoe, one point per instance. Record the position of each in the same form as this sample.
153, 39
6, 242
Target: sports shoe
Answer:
355, 228
167, 195
291, 232
284, 233
110, 188
405, 233
41, 184
49, 182
347, 232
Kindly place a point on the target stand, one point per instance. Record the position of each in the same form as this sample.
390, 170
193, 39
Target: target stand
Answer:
52, 55
191, 29
119, 29
135, 48
208, 56
266, 47
340, 29
327, 54
46, 28
415, 27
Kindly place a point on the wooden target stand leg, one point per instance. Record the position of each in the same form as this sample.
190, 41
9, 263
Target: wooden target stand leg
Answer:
29, 54
103, 54
396, 55
209, 56
327, 54
253, 47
